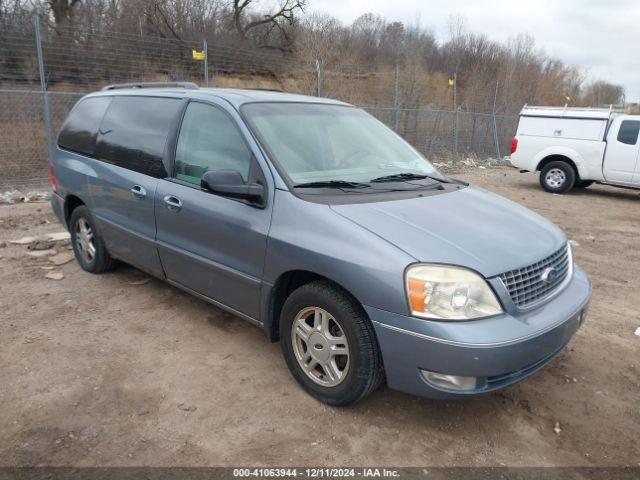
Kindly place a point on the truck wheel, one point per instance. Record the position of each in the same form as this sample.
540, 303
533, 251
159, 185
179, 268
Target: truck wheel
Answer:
88, 247
329, 344
557, 177
583, 183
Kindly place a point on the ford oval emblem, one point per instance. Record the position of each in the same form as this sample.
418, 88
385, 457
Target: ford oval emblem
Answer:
549, 275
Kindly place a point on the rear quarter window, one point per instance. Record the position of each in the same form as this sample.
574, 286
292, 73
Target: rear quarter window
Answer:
79, 131
134, 133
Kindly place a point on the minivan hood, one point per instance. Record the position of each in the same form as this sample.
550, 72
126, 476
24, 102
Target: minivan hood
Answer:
469, 227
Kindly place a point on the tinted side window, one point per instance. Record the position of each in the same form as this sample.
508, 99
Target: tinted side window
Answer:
628, 132
80, 129
134, 132
209, 140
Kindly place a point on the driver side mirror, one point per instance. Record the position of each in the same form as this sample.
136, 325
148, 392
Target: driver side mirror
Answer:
229, 183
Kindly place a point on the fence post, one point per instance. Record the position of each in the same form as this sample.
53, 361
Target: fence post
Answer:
455, 118
396, 98
495, 125
206, 63
318, 78
43, 89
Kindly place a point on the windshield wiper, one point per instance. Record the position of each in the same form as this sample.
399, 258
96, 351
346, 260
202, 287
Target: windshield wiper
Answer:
332, 184
401, 177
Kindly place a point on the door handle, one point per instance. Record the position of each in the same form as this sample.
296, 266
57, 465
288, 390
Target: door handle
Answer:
138, 192
172, 203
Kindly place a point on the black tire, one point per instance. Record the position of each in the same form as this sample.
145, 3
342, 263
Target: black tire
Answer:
583, 183
365, 371
564, 172
101, 261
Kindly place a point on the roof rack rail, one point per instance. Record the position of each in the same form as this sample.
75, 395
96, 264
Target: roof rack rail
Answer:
262, 89
185, 85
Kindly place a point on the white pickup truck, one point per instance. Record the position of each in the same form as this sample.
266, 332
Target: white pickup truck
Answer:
575, 147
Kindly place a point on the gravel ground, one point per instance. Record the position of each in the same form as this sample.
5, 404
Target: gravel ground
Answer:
123, 369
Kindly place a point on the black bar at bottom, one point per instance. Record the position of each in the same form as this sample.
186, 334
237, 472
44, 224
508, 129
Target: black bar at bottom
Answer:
310, 473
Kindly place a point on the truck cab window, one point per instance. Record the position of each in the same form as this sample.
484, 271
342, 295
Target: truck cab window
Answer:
628, 132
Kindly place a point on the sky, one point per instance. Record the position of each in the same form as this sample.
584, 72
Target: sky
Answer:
601, 37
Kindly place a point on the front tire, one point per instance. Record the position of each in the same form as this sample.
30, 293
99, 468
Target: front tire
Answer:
557, 177
88, 246
329, 344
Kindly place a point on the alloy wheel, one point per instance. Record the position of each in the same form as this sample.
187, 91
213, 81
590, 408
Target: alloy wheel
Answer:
84, 240
320, 346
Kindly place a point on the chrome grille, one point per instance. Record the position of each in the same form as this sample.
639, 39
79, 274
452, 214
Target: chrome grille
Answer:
526, 285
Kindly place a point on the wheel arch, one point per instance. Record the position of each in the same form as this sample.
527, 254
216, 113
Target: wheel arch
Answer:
284, 285
566, 155
71, 202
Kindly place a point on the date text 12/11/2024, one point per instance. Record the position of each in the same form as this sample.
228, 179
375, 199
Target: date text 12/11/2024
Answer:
315, 473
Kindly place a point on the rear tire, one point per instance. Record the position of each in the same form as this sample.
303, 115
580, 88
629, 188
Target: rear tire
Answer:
557, 177
88, 246
308, 347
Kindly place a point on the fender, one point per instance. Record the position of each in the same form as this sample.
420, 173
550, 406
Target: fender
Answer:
570, 153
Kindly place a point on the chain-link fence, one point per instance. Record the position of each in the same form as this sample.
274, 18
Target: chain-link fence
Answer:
44, 71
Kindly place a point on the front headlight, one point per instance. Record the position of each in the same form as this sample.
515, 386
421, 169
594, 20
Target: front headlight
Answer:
449, 293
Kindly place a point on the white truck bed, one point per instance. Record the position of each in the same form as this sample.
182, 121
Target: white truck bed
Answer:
576, 124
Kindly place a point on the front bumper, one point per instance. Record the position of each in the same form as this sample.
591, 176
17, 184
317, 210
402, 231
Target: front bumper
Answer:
502, 350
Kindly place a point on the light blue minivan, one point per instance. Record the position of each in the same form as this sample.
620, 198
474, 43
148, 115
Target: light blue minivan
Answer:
310, 218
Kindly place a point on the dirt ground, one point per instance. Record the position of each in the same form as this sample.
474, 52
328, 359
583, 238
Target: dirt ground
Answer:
122, 369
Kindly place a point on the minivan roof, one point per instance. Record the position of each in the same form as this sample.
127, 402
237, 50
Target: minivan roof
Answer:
235, 96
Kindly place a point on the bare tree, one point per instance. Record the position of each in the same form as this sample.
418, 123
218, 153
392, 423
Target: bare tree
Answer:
279, 20
601, 93
366, 34
317, 39
62, 9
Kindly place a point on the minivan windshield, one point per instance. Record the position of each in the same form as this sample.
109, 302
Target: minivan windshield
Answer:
316, 143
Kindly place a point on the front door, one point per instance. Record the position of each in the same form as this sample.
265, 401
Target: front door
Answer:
621, 154
212, 245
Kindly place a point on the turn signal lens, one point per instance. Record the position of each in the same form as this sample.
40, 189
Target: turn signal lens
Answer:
441, 292
416, 294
